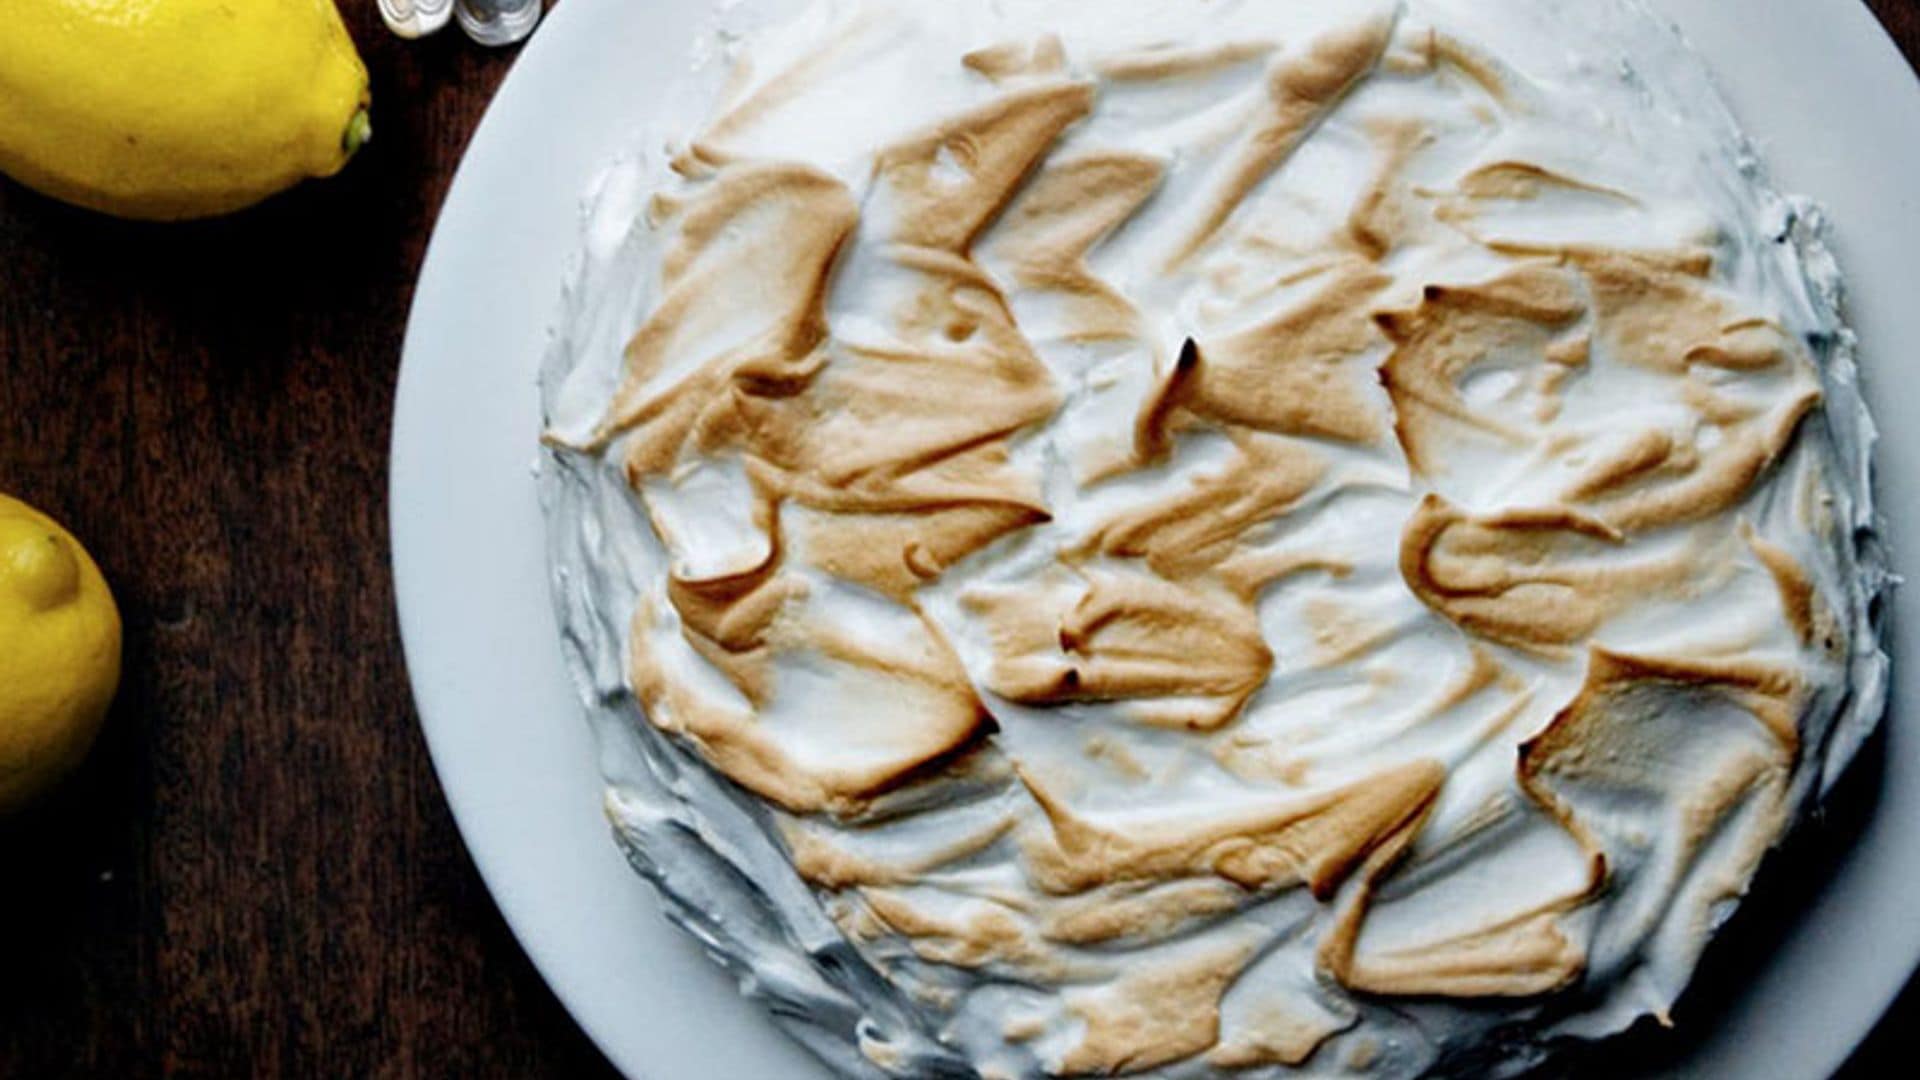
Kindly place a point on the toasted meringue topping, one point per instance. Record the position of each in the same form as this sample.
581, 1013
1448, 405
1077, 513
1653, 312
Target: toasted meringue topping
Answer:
1285, 536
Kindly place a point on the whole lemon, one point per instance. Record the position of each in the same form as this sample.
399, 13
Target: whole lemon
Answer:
168, 109
59, 652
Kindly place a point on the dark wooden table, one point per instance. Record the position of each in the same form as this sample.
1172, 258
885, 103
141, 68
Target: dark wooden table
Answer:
255, 874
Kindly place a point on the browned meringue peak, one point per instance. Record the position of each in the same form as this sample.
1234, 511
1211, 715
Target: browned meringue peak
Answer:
1279, 759
781, 224
1010, 60
1343, 634
746, 625
1275, 1029
1382, 216
1527, 955
917, 424
1187, 655
926, 202
1658, 312
1479, 197
830, 861
1521, 316
1170, 61
1199, 528
1687, 751
1531, 578
1516, 179
1303, 371
971, 934
1040, 243
1287, 1023
1158, 1014
1312, 839
1033, 938
1800, 600
1628, 492
914, 704
1654, 311
898, 553
1301, 90
1153, 911
1427, 50
920, 417
1067, 208
1527, 950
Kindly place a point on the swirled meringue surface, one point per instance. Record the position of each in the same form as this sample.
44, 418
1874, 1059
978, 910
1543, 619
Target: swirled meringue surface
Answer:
1318, 538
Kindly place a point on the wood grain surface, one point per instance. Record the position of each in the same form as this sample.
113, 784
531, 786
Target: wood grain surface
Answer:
255, 874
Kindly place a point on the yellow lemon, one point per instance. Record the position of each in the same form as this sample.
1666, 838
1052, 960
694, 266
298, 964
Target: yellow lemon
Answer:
168, 109
59, 652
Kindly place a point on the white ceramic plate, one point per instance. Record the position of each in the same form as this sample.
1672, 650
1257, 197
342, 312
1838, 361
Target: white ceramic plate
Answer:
1817, 82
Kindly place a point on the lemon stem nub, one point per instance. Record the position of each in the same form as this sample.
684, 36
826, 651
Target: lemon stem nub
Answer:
359, 132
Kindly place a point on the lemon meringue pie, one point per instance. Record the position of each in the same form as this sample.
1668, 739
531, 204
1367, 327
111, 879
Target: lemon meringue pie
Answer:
1205, 538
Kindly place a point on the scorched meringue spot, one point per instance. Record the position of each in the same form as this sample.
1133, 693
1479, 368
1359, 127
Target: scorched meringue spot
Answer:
1205, 538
